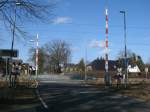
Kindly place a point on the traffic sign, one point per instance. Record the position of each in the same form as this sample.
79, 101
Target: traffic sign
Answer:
8, 52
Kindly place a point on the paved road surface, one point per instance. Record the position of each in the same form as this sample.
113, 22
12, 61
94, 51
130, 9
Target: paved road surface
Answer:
60, 97
77, 98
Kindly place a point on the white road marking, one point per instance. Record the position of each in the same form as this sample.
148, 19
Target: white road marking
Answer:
84, 92
42, 101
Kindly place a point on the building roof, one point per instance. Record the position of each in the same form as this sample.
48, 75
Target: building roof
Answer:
99, 64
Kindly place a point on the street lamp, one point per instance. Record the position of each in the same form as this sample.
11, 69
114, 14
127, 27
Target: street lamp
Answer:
14, 26
13, 38
36, 58
125, 48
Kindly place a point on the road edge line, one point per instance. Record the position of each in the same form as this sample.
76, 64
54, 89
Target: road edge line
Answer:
42, 101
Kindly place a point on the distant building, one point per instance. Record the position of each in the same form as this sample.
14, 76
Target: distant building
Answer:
99, 64
89, 68
70, 67
133, 69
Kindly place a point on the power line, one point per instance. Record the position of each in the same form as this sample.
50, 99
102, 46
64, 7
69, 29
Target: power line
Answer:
92, 25
111, 26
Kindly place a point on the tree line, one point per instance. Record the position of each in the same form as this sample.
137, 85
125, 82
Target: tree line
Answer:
55, 55
52, 56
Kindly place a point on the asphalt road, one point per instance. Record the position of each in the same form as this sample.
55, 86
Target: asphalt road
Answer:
83, 98
66, 97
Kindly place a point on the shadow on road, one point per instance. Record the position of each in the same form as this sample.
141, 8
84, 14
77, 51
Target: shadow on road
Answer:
74, 98
60, 98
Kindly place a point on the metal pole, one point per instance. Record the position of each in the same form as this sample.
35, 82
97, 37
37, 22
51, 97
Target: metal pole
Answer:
125, 52
14, 26
85, 63
107, 76
6, 69
106, 46
36, 61
12, 44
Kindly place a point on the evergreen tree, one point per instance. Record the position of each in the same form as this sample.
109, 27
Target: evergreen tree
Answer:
81, 65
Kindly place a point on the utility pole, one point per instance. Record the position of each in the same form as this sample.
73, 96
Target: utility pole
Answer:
12, 44
85, 78
37, 52
125, 49
6, 62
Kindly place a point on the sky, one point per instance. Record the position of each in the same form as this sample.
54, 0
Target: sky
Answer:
81, 23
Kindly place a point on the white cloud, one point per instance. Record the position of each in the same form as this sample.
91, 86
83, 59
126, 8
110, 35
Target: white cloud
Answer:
103, 52
106, 51
62, 20
74, 49
97, 44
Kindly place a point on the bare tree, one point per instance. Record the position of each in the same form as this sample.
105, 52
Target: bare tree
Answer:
15, 13
121, 54
59, 53
51, 56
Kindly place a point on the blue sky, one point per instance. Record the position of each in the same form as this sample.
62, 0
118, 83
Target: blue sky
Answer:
82, 23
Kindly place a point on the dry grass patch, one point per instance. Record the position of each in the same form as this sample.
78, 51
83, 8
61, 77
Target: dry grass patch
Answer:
140, 91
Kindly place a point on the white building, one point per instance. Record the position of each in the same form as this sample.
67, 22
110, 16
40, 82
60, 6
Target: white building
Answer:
134, 69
